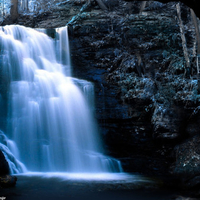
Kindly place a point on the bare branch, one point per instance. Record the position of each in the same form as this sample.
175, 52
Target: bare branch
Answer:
184, 44
101, 5
142, 6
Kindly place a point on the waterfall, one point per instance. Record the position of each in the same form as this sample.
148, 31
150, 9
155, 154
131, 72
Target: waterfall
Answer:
49, 117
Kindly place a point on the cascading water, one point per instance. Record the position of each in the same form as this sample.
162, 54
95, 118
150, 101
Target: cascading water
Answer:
49, 119
7, 146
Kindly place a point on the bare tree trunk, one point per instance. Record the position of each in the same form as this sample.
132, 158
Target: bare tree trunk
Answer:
14, 10
142, 6
83, 8
101, 5
185, 50
1, 9
196, 30
194, 18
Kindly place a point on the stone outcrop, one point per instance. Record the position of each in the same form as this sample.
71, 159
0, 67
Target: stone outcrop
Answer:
8, 181
146, 105
129, 58
4, 168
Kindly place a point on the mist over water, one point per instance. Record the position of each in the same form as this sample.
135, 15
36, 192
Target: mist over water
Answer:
50, 122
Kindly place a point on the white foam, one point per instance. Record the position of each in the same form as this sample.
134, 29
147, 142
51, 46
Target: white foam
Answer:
116, 177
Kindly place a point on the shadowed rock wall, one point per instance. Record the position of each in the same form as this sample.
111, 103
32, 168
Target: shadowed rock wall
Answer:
146, 106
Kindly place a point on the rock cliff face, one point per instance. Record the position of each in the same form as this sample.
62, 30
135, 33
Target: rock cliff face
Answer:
147, 100
144, 102
120, 55
146, 105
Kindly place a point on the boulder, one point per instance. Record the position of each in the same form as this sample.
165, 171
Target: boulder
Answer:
8, 181
4, 168
187, 163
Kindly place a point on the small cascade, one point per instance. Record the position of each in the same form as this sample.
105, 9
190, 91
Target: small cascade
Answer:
7, 147
50, 119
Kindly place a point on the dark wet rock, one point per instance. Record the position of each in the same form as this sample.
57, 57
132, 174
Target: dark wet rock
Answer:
159, 4
8, 181
144, 103
4, 168
187, 164
166, 123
